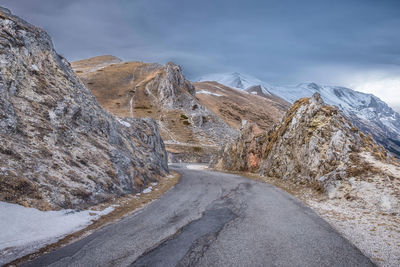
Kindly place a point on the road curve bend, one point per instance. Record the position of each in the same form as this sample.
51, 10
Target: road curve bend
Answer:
213, 219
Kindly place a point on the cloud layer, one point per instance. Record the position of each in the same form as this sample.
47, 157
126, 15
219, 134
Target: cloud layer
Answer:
346, 42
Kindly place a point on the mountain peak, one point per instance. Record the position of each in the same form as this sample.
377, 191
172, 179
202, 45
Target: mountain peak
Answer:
256, 90
235, 80
316, 98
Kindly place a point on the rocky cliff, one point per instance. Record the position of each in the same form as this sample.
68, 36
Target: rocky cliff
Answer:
313, 144
58, 147
135, 89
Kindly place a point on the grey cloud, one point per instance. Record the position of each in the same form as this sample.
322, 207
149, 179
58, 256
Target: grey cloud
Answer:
275, 40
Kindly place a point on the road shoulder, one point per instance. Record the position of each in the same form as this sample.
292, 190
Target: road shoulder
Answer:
122, 207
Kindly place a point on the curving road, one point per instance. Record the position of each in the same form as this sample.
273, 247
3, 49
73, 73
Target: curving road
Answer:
213, 219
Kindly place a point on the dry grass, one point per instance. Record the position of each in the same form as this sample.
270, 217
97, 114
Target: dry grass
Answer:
115, 85
81, 66
20, 190
360, 167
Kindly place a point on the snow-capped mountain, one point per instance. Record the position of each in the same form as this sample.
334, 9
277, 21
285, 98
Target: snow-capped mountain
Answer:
367, 111
234, 80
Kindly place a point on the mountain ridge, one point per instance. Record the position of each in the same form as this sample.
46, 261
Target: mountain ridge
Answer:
367, 112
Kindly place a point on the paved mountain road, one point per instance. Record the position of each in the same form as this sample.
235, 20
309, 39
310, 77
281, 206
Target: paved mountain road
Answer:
213, 219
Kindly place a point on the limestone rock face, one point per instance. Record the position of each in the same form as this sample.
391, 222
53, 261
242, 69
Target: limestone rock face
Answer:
58, 147
245, 153
314, 143
173, 87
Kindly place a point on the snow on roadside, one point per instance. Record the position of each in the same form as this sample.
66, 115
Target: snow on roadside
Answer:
197, 167
25, 230
147, 190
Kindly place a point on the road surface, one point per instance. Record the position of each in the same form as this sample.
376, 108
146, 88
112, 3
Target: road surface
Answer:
213, 219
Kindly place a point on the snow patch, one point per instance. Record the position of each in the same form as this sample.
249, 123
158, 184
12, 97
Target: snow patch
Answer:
126, 124
196, 167
35, 67
207, 93
147, 190
25, 230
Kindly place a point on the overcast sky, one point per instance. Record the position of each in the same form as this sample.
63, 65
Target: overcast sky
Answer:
355, 43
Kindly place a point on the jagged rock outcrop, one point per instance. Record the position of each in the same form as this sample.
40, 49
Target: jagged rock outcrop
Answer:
173, 88
58, 147
314, 143
191, 131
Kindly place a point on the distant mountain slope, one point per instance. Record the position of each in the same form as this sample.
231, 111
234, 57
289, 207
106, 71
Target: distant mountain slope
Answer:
237, 107
190, 131
367, 112
58, 147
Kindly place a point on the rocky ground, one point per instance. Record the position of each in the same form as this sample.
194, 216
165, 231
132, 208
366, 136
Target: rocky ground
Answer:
59, 148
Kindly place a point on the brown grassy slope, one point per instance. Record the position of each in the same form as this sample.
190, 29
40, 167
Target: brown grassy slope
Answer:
115, 85
234, 106
94, 63
120, 88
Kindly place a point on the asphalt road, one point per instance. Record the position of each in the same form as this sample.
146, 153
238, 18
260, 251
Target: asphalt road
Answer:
214, 219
